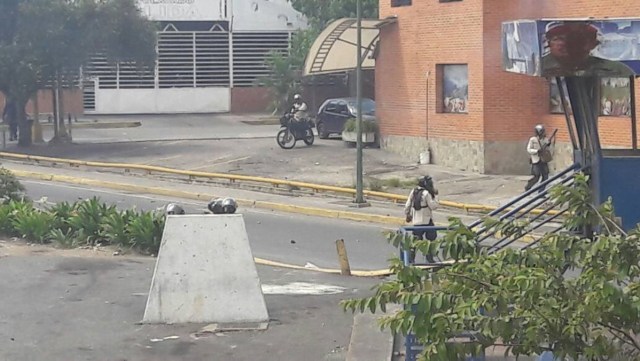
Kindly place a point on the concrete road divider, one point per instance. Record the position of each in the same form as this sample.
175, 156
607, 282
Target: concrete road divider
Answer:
205, 273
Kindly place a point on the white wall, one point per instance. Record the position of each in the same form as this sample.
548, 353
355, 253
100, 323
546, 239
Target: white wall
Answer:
266, 15
184, 10
156, 101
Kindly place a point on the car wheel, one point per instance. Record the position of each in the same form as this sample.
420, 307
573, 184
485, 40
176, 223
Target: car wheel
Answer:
322, 131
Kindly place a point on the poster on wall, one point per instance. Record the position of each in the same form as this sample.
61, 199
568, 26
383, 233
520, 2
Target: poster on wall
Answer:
569, 47
520, 47
615, 96
608, 48
455, 88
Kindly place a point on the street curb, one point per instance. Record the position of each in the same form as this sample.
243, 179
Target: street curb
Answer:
97, 125
368, 342
273, 206
310, 211
234, 177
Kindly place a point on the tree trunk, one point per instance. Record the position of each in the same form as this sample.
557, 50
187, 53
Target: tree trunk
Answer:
62, 131
24, 124
54, 98
37, 128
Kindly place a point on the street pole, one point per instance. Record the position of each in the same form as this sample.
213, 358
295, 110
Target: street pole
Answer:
359, 181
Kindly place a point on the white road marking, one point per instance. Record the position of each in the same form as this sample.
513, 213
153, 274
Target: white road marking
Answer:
302, 288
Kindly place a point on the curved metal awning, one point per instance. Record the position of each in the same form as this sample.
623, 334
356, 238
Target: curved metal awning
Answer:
334, 51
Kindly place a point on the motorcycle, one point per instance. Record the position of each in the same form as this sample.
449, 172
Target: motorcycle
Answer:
291, 131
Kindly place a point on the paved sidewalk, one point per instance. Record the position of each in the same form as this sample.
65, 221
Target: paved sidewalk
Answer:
170, 128
326, 162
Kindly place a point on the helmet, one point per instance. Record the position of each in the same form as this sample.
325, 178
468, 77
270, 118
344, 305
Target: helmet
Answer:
297, 97
229, 206
174, 209
425, 182
539, 129
215, 206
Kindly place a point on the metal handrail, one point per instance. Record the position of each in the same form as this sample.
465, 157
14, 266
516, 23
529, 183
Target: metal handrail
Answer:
524, 195
496, 246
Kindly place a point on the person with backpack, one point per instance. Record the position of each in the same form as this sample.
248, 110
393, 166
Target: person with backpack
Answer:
422, 201
540, 154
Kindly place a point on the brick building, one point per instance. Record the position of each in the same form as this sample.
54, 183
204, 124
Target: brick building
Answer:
450, 50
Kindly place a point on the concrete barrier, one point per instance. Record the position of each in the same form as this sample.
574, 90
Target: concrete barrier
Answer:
205, 274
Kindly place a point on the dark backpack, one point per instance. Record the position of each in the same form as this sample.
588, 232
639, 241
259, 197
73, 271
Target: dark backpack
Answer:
417, 199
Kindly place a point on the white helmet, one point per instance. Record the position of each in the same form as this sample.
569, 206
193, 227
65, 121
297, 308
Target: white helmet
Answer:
174, 209
539, 129
297, 97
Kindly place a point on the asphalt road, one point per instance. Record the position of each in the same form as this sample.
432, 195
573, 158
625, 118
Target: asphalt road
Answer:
76, 306
294, 239
65, 305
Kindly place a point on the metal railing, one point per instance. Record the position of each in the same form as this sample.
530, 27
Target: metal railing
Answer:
518, 209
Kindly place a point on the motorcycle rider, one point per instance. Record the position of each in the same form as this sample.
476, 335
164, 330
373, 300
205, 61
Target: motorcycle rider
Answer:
299, 108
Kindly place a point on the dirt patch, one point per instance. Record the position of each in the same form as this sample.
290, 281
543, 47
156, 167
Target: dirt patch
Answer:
17, 247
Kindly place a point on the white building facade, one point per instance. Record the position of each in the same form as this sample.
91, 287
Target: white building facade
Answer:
211, 56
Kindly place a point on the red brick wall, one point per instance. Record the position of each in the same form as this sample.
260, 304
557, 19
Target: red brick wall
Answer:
258, 99
502, 106
428, 33
249, 100
72, 102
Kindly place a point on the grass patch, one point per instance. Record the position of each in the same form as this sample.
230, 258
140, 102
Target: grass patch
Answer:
378, 185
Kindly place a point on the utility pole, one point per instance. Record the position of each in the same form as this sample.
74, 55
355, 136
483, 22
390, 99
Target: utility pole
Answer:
359, 181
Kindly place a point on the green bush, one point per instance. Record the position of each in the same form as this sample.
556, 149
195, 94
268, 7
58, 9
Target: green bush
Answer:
63, 239
62, 213
87, 220
114, 228
376, 184
33, 225
368, 126
145, 231
10, 213
10, 187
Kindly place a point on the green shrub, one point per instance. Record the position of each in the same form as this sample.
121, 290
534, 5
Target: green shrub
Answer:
114, 228
10, 213
368, 126
393, 182
63, 239
88, 218
33, 225
375, 184
6, 226
10, 187
145, 231
62, 213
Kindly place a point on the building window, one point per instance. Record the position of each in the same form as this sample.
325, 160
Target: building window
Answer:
615, 94
453, 88
396, 3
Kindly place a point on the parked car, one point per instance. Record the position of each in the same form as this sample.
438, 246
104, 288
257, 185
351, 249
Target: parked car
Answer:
333, 113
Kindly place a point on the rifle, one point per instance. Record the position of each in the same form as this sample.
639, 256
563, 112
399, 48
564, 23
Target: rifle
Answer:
545, 153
